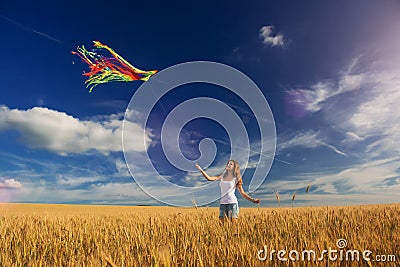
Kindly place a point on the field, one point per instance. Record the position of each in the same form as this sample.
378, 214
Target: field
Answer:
77, 235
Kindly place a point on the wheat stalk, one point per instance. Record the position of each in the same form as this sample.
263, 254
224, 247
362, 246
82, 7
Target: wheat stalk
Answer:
293, 197
277, 198
194, 202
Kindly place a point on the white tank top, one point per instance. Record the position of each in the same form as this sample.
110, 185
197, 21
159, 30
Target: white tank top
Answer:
228, 191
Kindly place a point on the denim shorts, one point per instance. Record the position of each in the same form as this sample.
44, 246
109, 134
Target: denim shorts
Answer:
229, 210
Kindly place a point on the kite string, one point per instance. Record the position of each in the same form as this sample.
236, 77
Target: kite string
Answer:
217, 140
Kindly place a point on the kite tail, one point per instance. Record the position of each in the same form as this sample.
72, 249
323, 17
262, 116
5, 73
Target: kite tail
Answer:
145, 75
109, 69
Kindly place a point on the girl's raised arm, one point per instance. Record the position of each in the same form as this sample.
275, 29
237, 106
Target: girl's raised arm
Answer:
208, 177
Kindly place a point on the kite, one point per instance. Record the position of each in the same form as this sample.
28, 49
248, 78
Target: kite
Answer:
109, 69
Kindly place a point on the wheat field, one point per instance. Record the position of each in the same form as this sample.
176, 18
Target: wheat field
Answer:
79, 235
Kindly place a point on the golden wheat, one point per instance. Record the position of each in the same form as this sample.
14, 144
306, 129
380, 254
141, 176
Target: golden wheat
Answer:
68, 235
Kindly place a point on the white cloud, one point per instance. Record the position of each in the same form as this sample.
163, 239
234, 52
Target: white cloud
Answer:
61, 133
376, 181
195, 179
101, 193
266, 34
379, 117
76, 181
322, 94
122, 168
350, 82
10, 184
351, 137
308, 139
314, 98
361, 104
369, 178
333, 148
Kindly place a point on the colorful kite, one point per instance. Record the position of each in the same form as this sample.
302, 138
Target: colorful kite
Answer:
108, 69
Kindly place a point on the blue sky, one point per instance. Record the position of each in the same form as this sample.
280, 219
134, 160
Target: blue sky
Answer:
330, 72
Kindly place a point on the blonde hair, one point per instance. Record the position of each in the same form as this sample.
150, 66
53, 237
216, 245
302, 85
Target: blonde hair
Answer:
236, 170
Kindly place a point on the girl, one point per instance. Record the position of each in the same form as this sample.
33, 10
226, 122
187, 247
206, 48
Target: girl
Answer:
230, 180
